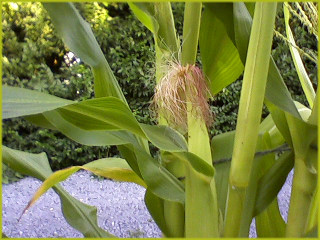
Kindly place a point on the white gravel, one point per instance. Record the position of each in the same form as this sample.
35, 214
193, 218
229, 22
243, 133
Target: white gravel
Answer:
121, 209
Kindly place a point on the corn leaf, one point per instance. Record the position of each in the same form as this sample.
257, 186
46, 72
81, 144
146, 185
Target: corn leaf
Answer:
156, 210
272, 181
78, 36
191, 160
276, 90
79, 215
159, 180
223, 11
97, 115
299, 66
158, 18
221, 147
243, 21
313, 118
220, 58
200, 191
86, 137
270, 223
303, 135
21, 102
114, 168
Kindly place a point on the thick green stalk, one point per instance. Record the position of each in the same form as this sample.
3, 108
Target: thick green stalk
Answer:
303, 187
250, 109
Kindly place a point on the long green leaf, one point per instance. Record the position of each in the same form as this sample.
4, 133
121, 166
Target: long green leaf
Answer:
78, 36
86, 137
79, 215
97, 115
114, 168
220, 58
22, 102
301, 71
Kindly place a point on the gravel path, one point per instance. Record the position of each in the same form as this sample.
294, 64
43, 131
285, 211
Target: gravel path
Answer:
121, 209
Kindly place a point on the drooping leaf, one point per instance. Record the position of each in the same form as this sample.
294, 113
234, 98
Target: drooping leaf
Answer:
79, 215
220, 58
78, 36
114, 168
100, 115
18, 102
86, 137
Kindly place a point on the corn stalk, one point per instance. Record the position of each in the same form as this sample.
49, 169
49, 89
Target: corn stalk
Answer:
250, 108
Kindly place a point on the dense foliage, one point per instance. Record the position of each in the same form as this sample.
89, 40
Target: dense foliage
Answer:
35, 58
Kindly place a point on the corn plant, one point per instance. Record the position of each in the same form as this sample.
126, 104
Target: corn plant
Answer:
197, 187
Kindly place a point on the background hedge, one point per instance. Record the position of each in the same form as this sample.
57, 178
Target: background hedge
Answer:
35, 58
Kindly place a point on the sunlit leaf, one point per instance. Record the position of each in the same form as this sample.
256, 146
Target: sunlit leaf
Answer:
220, 58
